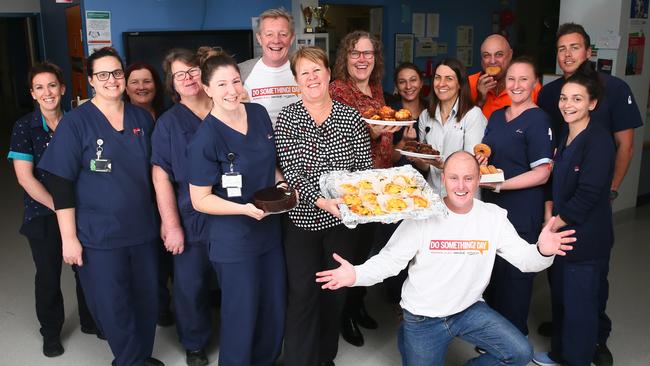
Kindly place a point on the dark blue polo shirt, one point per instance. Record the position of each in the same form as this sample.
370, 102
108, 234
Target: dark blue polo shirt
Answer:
517, 147
616, 110
235, 237
113, 209
29, 139
173, 132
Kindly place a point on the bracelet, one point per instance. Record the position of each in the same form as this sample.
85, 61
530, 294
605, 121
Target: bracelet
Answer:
497, 188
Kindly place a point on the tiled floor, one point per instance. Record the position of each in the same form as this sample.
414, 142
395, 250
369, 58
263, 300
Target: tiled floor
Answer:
20, 341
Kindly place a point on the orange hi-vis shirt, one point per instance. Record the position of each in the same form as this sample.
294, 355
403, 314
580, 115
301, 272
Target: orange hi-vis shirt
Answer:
494, 102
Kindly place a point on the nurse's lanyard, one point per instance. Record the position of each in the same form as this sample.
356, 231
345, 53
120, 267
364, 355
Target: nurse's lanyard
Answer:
100, 165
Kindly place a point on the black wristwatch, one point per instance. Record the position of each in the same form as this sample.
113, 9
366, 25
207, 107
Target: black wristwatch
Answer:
613, 194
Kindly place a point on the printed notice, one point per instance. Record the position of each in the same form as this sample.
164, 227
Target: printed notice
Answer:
459, 246
98, 30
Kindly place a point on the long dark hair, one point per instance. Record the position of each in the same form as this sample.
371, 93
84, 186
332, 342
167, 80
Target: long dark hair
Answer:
157, 103
465, 102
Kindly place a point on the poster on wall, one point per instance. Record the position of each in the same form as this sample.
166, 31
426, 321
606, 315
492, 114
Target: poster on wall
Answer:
635, 49
418, 26
464, 36
403, 48
639, 9
98, 30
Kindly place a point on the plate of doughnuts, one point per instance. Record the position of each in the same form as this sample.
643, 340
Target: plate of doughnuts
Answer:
491, 174
387, 116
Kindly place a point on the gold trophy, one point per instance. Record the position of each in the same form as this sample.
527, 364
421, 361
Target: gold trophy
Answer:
307, 15
319, 15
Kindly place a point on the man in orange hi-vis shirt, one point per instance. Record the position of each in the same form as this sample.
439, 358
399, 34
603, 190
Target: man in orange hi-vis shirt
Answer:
488, 86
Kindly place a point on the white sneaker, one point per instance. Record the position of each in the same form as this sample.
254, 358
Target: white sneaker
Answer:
543, 359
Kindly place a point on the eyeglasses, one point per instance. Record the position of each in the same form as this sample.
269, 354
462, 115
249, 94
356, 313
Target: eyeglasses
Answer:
366, 54
105, 75
182, 75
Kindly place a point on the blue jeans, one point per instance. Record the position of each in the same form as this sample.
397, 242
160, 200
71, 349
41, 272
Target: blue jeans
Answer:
423, 341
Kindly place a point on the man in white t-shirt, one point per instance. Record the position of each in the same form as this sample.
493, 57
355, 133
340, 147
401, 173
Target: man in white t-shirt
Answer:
451, 261
268, 80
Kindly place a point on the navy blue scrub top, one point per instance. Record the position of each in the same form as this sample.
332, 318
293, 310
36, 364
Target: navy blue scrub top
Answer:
29, 139
581, 180
517, 147
173, 132
616, 110
233, 238
113, 209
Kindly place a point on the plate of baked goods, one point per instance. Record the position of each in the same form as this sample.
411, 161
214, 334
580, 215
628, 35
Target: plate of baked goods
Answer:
419, 150
381, 195
387, 116
491, 174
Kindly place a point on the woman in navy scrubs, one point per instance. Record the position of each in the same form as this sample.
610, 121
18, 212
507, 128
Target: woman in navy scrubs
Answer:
183, 229
522, 146
144, 89
101, 184
232, 156
582, 173
29, 139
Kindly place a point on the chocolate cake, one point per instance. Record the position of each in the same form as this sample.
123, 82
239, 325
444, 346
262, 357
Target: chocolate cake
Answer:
275, 199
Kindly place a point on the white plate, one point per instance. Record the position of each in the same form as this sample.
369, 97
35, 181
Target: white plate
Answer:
417, 155
492, 178
388, 123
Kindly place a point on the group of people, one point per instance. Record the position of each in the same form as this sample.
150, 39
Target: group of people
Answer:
112, 183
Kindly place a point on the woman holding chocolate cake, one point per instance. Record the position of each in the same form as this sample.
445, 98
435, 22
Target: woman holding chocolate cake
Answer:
452, 122
314, 136
232, 156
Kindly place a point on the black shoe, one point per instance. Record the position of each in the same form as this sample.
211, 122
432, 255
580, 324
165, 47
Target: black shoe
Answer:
52, 347
150, 361
480, 350
166, 318
364, 319
351, 332
327, 363
545, 329
93, 330
603, 356
196, 358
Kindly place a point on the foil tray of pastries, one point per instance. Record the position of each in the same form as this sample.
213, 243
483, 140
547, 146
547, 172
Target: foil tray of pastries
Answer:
388, 116
381, 195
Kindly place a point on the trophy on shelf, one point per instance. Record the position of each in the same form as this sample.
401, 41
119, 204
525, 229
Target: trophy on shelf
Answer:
319, 15
307, 14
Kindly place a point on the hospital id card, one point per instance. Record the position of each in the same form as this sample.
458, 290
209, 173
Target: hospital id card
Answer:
100, 165
232, 182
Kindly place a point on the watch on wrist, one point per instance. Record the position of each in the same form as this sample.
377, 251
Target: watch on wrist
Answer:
613, 194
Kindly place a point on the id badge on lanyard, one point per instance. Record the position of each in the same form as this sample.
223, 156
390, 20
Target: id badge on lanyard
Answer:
232, 180
100, 165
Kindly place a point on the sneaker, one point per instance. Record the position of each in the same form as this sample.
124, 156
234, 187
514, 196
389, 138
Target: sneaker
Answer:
196, 358
150, 361
480, 350
543, 359
603, 356
52, 347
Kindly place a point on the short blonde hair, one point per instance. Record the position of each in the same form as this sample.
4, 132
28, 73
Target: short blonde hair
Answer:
274, 14
311, 53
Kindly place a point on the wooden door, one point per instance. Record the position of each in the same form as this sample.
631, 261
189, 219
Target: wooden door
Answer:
76, 52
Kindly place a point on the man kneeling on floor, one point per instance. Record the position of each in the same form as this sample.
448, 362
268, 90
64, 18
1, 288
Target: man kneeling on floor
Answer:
451, 260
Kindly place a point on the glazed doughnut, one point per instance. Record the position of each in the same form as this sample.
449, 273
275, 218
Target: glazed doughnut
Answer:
492, 169
492, 70
485, 169
482, 149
